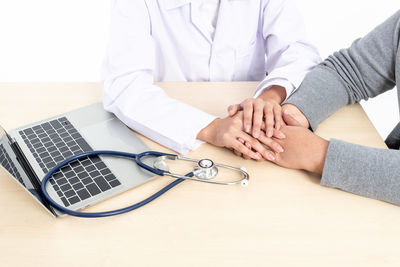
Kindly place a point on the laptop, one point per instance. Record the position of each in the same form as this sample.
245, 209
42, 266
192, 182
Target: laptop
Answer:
29, 152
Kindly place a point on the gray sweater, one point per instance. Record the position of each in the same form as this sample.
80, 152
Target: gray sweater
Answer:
368, 68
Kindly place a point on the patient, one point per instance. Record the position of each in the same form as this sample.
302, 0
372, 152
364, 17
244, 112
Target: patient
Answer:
368, 68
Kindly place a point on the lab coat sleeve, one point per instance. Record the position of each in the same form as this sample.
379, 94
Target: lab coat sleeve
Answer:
289, 55
128, 89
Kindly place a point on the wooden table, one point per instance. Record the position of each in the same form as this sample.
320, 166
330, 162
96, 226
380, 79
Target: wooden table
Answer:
283, 218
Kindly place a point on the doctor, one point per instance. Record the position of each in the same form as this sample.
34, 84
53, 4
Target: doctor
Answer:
204, 40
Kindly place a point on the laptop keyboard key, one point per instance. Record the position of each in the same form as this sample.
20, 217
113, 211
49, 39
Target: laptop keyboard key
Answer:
82, 143
86, 162
90, 168
52, 149
63, 149
56, 124
70, 174
93, 189
75, 164
61, 181
105, 171
78, 169
83, 194
65, 187
100, 165
70, 193
115, 183
73, 180
64, 200
40, 150
95, 159
78, 186
86, 181
102, 183
74, 200
51, 164
28, 131
82, 175
110, 177
94, 174
67, 154
57, 175
66, 169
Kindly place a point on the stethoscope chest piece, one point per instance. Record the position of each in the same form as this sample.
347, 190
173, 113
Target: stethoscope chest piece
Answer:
205, 169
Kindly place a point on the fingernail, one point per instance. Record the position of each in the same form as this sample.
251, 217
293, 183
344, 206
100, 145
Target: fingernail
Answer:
279, 148
247, 128
269, 133
256, 134
258, 156
286, 112
281, 135
270, 157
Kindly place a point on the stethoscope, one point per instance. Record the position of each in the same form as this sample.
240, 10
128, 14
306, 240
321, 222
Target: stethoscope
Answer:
204, 171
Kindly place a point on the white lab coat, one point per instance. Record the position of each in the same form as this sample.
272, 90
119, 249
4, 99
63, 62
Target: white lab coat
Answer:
166, 40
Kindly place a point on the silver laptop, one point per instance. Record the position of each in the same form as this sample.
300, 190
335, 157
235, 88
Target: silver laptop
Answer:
29, 152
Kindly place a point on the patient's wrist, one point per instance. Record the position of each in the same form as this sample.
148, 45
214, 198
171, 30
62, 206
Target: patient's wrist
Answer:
321, 148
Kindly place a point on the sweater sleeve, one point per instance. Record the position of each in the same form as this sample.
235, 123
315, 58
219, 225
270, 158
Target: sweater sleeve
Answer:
366, 171
364, 70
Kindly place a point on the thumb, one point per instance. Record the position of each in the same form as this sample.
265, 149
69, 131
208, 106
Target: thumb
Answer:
233, 109
289, 119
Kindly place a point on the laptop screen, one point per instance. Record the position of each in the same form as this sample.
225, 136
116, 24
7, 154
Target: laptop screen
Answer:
9, 163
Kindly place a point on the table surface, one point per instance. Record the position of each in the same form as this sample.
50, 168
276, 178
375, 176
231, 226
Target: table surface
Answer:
283, 218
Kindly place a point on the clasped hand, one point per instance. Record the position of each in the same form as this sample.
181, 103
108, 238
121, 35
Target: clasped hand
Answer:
263, 130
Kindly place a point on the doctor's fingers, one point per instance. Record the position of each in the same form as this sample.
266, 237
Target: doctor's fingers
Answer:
269, 142
258, 115
269, 120
278, 117
248, 108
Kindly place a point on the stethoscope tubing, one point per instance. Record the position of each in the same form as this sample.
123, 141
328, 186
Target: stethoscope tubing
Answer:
111, 212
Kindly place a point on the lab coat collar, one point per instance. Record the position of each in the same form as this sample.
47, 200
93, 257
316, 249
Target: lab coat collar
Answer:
171, 4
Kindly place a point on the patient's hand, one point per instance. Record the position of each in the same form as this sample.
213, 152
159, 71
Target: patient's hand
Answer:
228, 132
296, 114
303, 149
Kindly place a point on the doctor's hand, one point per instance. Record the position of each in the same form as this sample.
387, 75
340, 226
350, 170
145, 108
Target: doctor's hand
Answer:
226, 132
303, 149
266, 108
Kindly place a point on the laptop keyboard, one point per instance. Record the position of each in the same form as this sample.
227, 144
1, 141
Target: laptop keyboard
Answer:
7, 163
57, 140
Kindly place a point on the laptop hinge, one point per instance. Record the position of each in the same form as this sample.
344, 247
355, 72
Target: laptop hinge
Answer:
26, 166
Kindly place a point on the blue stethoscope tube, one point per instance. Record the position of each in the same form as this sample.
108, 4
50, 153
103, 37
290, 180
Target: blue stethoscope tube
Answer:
137, 158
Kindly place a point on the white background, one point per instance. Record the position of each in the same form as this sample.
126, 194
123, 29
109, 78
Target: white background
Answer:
64, 41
